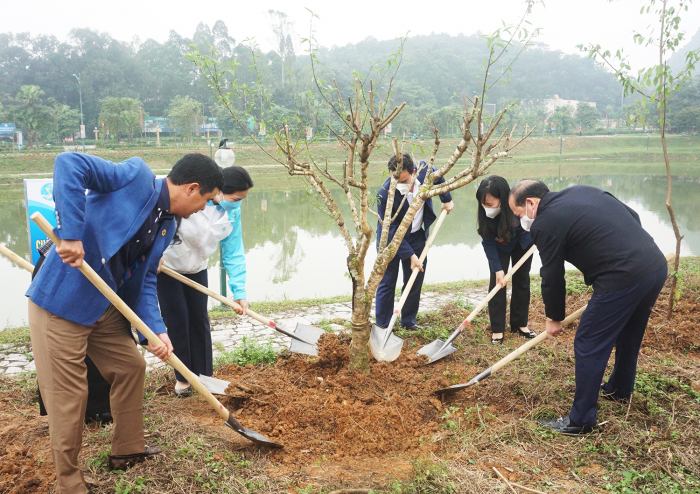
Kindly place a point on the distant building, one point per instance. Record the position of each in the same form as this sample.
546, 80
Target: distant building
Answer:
552, 104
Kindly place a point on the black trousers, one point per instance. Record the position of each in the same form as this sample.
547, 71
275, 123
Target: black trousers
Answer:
614, 319
184, 312
385, 291
520, 297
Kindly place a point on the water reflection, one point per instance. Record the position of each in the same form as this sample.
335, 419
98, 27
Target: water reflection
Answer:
293, 249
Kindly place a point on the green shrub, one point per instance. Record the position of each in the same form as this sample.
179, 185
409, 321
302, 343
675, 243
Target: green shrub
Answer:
250, 351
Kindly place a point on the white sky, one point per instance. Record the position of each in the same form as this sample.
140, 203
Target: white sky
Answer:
565, 23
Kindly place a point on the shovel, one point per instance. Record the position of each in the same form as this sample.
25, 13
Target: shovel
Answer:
385, 345
304, 337
20, 261
173, 361
510, 357
520, 350
438, 348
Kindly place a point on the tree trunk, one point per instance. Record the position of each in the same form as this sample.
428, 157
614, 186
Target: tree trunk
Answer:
676, 230
361, 327
663, 104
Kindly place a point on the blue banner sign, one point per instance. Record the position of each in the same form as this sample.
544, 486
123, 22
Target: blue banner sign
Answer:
7, 128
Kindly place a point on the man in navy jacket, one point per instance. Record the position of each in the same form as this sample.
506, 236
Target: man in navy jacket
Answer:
120, 228
604, 239
412, 244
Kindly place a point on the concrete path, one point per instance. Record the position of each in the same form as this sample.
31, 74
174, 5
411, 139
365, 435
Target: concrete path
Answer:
226, 335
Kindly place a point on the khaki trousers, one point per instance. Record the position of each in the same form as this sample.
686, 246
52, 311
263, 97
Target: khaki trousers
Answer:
59, 348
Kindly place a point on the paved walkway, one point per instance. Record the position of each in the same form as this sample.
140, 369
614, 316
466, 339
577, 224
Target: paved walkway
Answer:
17, 359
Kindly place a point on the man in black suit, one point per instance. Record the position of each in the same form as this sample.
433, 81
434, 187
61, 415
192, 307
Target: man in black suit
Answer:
604, 239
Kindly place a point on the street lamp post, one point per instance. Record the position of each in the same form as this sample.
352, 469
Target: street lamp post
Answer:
82, 123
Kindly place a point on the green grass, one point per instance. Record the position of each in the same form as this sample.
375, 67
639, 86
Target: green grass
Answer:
250, 351
628, 152
429, 477
15, 336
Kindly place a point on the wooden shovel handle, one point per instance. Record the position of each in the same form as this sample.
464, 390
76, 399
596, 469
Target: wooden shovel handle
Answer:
20, 261
543, 336
534, 342
104, 288
213, 294
422, 257
498, 286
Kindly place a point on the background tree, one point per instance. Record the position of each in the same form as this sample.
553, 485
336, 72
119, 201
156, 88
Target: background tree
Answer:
688, 119
31, 114
67, 121
562, 119
185, 115
363, 114
587, 116
656, 85
121, 116
281, 28
435, 68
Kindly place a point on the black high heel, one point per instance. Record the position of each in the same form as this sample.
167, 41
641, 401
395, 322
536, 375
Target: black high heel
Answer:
529, 335
497, 341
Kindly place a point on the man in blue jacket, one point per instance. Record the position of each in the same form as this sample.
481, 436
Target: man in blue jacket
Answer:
120, 228
412, 244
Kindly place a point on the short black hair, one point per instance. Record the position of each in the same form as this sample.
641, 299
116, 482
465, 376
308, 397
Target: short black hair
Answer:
197, 168
528, 188
502, 225
236, 178
407, 164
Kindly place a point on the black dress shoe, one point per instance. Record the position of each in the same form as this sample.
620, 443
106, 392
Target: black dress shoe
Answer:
103, 418
415, 327
611, 396
497, 341
122, 462
528, 335
183, 393
563, 425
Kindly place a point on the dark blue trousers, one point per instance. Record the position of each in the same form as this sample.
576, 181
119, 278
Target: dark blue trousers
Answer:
185, 315
614, 319
387, 287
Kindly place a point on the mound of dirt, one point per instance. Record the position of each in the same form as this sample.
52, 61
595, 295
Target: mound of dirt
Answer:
679, 333
24, 452
320, 408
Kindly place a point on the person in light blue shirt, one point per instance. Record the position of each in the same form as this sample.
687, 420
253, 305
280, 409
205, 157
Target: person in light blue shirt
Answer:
184, 309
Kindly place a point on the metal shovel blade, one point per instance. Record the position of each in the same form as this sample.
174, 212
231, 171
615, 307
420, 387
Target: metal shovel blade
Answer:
310, 334
256, 437
432, 350
391, 349
307, 338
297, 346
214, 385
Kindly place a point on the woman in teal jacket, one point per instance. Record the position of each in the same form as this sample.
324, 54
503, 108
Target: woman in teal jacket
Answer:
184, 309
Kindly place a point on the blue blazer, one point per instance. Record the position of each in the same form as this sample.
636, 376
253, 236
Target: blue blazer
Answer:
493, 245
119, 199
405, 250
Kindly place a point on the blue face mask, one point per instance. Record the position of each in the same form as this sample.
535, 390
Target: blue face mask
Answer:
230, 206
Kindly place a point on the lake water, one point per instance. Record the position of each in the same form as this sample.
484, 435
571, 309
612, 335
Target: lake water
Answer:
294, 251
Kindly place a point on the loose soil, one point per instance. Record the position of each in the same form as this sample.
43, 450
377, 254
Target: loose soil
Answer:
26, 462
319, 409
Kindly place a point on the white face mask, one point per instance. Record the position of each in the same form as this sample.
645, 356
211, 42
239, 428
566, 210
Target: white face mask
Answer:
492, 212
526, 221
403, 188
